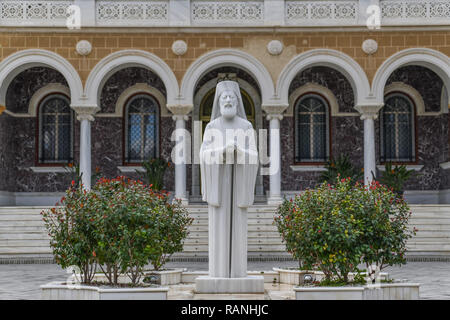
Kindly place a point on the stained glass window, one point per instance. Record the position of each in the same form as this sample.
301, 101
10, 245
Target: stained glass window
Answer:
397, 129
142, 129
311, 129
55, 130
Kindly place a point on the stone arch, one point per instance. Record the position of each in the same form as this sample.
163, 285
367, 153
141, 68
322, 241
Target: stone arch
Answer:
130, 58
329, 58
14, 64
226, 57
428, 58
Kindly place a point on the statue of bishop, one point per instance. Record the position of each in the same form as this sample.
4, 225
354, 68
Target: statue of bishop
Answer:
229, 165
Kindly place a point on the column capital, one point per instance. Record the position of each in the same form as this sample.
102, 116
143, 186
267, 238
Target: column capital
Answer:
274, 111
177, 117
180, 109
86, 112
369, 111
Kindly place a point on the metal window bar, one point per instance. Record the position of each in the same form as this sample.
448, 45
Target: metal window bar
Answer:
397, 129
312, 129
142, 129
55, 130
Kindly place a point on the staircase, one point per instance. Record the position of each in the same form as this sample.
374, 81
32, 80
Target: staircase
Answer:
23, 237
433, 237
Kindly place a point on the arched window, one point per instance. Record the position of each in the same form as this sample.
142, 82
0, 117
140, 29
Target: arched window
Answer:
141, 129
312, 143
397, 129
55, 130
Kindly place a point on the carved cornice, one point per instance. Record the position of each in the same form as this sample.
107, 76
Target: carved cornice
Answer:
369, 111
86, 112
180, 109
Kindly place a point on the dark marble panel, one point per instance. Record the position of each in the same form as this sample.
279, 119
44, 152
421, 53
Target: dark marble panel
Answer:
123, 79
331, 79
22, 88
107, 147
346, 136
425, 81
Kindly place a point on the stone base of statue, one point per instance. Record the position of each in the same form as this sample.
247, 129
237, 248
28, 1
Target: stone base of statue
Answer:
249, 284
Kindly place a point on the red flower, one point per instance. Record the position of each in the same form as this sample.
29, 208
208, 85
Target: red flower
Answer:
73, 182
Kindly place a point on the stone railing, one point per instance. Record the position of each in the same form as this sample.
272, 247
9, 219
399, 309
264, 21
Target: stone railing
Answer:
223, 13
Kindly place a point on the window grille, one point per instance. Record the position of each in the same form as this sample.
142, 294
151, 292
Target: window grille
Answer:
142, 129
397, 129
312, 129
55, 130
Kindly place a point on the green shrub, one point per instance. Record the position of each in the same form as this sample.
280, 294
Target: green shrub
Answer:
126, 226
395, 178
335, 228
154, 171
339, 168
72, 231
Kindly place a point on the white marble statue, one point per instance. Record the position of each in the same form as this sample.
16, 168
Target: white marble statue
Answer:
229, 165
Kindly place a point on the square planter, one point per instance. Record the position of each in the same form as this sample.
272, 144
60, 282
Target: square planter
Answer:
392, 291
382, 291
165, 277
63, 291
329, 293
292, 276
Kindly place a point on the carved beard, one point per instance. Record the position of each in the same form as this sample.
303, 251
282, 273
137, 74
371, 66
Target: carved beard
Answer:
228, 112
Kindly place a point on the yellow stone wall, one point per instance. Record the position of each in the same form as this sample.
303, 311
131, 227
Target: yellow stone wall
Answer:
160, 44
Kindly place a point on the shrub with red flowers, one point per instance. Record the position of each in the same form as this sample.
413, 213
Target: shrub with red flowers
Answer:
337, 227
72, 230
130, 225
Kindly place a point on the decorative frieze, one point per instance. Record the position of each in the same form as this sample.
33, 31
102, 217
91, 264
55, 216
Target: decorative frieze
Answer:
132, 12
425, 11
222, 12
321, 12
34, 12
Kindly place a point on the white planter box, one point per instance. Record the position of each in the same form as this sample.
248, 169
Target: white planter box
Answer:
62, 291
166, 277
383, 291
295, 276
329, 293
292, 276
392, 291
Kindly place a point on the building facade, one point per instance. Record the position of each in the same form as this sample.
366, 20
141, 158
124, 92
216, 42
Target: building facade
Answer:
366, 79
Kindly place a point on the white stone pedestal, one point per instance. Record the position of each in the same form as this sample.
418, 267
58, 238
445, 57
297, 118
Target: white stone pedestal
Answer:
249, 284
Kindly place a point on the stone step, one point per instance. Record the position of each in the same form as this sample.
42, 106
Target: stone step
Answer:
24, 236
22, 223
23, 243
22, 229
20, 217
24, 250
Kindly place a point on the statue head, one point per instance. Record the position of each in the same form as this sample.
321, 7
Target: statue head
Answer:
228, 104
228, 101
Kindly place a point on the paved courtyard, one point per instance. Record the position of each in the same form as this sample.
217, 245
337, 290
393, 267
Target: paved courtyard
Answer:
23, 281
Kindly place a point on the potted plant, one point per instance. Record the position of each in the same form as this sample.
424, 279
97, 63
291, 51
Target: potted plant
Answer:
118, 227
154, 170
395, 177
340, 167
335, 228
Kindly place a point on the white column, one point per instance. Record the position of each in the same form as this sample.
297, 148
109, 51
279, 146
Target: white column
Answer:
85, 115
369, 114
180, 169
180, 116
275, 159
85, 150
369, 148
274, 115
